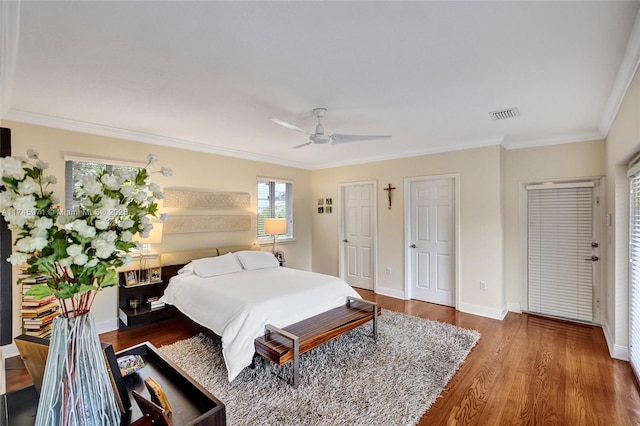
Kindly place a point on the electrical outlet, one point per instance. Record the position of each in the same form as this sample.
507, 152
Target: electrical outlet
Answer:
483, 285
389, 270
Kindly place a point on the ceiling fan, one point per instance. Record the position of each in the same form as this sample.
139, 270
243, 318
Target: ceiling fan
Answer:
319, 137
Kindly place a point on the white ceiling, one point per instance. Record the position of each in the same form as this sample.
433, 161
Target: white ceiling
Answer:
208, 75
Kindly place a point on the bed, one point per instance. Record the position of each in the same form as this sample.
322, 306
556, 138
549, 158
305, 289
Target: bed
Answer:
235, 291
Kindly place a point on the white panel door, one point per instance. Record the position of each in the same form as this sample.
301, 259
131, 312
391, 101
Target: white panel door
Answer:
431, 240
358, 230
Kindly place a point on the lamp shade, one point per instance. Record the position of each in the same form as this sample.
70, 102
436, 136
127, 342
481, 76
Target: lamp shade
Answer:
275, 226
155, 235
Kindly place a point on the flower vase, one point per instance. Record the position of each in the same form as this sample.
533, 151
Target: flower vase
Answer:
76, 389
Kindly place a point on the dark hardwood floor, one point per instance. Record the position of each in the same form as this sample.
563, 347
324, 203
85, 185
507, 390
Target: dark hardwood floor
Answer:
524, 370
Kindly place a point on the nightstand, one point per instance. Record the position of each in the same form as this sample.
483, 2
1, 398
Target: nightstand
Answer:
131, 315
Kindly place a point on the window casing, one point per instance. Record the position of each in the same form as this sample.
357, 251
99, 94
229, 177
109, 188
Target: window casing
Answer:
275, 199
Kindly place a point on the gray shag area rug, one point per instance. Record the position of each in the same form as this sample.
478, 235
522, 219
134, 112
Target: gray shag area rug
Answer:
348, 381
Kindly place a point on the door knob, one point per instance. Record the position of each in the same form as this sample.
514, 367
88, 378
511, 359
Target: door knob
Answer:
593, 259
413, 246
345, 241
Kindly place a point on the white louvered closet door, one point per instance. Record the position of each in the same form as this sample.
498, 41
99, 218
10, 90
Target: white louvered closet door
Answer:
634, 272
560, 235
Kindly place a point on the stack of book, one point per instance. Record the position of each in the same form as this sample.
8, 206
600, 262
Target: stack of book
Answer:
155, 303
37, 315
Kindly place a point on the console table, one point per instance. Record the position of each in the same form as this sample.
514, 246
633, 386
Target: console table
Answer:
192, 404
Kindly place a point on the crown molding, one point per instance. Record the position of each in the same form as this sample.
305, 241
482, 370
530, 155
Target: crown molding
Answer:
114, 132
627, 71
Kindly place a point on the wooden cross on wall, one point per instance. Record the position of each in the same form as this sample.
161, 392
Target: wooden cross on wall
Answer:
389, 188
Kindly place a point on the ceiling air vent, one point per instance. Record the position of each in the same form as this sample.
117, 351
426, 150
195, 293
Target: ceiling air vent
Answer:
504, 114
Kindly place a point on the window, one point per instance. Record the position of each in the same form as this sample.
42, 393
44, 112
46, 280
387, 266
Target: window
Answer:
275, 199
77, 167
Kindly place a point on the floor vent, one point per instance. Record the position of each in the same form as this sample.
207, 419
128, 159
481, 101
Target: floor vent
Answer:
504, 114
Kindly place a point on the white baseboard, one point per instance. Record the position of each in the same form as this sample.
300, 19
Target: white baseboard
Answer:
484, 311
514, 307
391, 292
616, 351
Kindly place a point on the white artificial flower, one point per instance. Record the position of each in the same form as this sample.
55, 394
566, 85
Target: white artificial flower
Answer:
42, 165
127, 190
12, 167
25, 206
125, 174
27, 186
152, 158
15, 221
154, 187
110, 181
139, 197
109, 236
104, 249
43, 223
84, 229
91, 185
6, 199
66, 262
63, 220
80, 259
74, 250
126, 259
32, 153
126, 236
164, 217
39, 232
166, 171
54, 199
159, 195
93, 262
18, 259
38, 243
126, 223
101, 224
24, 244
51, 179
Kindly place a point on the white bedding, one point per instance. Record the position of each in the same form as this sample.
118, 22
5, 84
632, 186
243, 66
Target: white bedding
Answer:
237, 306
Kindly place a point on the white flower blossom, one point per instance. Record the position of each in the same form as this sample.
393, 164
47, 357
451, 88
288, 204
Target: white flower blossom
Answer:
43, 223
164, 217
93, 262
12, 167
159, 195
39, 232
126, 223
126, 259
38, 243
18, 259
51, 179
27, 187
74, 250
25, 206
91, 185
83, 229
126, 236
109, 236
127, 191
42, 165
80, 259
154, 187
66, 262
101, 224
6, 199
139, 197
152, 158
166, 171
110, 181
32, 153
104, 249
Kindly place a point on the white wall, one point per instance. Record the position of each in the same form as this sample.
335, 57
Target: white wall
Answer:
623, 143
481, 225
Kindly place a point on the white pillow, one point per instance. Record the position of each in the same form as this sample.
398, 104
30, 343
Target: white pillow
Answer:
186, 269
213, 266
254, 259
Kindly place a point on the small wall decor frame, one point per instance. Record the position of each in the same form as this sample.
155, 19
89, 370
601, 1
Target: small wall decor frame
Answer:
320, 209
329, 201
320, 201
328, 209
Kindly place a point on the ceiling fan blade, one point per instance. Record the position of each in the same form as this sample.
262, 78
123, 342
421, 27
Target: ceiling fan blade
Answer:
338, 138
289, 125
301, 145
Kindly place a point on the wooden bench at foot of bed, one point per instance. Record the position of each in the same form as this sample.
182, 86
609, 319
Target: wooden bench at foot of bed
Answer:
283, 345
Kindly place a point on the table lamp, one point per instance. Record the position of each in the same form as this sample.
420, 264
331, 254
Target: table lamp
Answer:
154, 237
275, 227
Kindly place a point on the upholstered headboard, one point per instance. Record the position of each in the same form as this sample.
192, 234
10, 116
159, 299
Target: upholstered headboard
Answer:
171, 262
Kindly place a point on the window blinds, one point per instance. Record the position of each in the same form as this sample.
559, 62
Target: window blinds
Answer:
634, 272
560, 233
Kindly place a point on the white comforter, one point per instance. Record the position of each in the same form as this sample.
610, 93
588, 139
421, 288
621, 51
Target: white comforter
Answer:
237, 306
